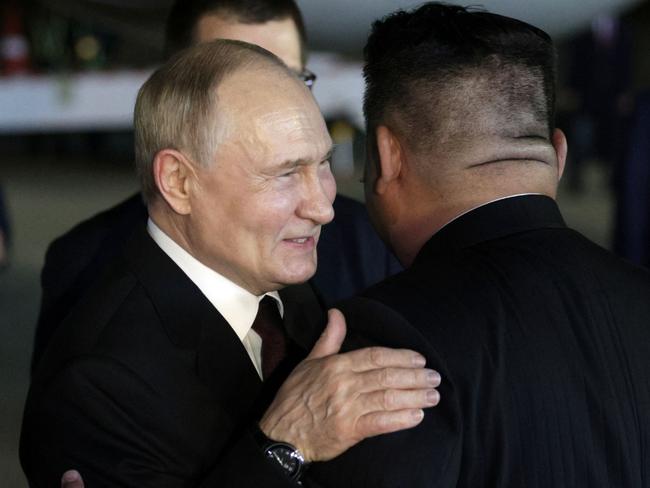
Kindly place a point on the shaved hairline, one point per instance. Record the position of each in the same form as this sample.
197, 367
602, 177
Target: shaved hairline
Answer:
490, 100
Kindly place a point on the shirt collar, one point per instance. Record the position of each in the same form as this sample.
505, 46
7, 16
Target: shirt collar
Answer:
502, 217
483, 204
237, 305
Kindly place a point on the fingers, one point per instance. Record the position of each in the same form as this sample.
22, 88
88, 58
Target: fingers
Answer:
332, 337
377, 423
382, 357
71, 479
398, 379
392, 400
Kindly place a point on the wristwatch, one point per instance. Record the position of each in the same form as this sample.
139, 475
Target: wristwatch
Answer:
288, 457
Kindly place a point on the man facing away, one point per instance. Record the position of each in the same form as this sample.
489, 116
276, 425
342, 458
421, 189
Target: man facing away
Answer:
351, 255
542, 337
155, 378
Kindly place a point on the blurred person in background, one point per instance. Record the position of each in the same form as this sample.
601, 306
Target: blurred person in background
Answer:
632, 226
5, 232
599, 83
351, 255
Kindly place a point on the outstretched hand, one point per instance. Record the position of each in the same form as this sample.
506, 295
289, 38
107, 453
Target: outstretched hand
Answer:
332, 401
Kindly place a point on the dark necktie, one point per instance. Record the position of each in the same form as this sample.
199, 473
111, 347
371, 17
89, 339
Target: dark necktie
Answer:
268, 325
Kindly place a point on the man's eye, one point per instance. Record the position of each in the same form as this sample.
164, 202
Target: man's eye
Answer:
288, 173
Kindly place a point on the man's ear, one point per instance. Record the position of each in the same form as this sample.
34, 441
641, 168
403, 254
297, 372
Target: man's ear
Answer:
173, 173
390, 154
559, 143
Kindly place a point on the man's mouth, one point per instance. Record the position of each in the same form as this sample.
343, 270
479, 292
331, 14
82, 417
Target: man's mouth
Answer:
303, 241
309, 239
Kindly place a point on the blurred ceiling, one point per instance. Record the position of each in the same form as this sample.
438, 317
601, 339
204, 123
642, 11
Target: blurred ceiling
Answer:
338, 25
343, 25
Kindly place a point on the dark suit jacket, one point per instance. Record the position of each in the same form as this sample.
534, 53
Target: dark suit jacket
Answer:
543, 342
145, 384
351, 257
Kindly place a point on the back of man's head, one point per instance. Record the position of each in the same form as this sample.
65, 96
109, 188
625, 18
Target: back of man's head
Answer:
184, 16
442, 74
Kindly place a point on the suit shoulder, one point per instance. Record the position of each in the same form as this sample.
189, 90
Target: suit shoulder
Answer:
115, 296
351, 216
349, 206
98, 226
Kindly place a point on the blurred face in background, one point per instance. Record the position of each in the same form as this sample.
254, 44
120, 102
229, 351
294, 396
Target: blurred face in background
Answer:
280, 37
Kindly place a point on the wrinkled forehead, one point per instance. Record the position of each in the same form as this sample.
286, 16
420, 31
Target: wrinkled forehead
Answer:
268, 110
296, 123
266, 96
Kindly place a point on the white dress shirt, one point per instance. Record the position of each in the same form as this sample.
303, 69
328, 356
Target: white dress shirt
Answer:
236, 305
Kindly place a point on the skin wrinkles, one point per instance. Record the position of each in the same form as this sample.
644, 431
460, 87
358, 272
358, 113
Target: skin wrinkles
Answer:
292, 165
452, 177
271, 217
508, 163
508, 150
279, 36
249, 134
296, 125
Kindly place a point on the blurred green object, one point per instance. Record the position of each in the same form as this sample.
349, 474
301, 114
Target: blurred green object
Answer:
49, 35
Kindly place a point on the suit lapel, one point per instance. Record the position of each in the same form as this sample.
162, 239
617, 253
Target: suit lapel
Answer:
224, 365
304, 317
192, 322
303, 321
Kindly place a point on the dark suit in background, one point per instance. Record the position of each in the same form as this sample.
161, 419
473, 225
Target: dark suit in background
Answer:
5, 232
542, 339
147, 383
351, 257
4, 218
632, 229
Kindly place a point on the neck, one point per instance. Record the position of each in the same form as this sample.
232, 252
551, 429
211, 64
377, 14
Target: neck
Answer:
445, 186
414, 225
169, 222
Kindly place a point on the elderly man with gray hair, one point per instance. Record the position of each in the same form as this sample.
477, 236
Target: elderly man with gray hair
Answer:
166, 373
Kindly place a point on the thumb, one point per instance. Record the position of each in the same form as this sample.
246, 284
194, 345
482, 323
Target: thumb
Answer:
72, 479
332, 337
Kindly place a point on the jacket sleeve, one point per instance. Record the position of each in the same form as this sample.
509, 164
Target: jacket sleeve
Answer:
99, 417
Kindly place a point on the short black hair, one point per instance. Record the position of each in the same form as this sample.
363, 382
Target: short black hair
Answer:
431, 67
185, 14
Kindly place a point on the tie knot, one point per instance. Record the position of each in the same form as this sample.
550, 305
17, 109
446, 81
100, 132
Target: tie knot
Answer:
269, 302
268, 325
268, 316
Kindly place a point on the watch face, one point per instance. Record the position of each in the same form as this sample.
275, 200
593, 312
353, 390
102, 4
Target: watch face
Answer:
290, 461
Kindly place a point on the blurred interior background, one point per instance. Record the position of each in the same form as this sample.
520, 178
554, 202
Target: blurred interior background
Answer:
70, 70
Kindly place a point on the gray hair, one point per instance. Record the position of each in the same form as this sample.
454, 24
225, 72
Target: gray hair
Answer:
176, 107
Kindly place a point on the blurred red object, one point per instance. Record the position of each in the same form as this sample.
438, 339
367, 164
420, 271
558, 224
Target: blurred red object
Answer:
14, 47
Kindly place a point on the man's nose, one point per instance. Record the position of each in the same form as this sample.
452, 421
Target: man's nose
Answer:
316, 204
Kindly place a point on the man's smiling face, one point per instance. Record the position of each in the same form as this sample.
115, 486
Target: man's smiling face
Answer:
260, 205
